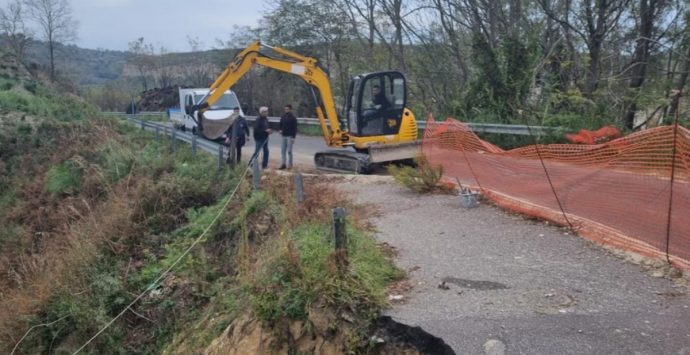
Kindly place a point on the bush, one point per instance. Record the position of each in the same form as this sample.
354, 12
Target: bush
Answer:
64, 179
421, 179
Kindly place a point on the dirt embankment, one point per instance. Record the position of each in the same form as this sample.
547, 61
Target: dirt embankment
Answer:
158, 100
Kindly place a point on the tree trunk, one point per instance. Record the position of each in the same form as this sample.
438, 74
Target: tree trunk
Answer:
639, 65
51, 47
680, 84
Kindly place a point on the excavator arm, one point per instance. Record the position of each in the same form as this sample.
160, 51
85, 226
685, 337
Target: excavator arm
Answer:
291, 63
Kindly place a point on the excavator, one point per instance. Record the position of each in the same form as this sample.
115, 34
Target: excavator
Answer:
376, 121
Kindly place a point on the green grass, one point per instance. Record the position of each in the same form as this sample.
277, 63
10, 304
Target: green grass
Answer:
64, 179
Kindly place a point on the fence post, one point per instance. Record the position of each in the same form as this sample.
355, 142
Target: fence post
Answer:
299, 188
220, 156
157, 133
232, 158
193, 145
142, 125
340, 237
256, 174
174, 140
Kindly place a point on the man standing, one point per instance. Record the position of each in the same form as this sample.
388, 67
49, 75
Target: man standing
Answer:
261, 132
239, 130
288, 129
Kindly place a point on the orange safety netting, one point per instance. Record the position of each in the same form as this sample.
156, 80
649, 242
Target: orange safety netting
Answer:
617, 193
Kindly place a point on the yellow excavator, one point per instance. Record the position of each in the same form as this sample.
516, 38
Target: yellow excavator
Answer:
376, 123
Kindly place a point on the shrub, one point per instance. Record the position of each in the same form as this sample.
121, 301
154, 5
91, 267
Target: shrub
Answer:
421, 179
64, 178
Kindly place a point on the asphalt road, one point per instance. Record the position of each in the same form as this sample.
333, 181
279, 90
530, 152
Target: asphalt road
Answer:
519, 286
303, 150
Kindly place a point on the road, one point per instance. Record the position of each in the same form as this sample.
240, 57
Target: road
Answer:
303, 151
520, 286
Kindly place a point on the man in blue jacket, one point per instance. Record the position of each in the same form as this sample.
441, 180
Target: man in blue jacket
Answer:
288, 129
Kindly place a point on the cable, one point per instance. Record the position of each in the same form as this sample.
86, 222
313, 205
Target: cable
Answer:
548, 176
35, 326
196, 241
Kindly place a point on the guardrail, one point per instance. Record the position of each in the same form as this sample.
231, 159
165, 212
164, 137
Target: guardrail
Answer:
160, 128
497, 128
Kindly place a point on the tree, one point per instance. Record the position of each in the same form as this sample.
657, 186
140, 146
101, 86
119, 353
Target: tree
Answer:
14, 28
142, 59
55, 22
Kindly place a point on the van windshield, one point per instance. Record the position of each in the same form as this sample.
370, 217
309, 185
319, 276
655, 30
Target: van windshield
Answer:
226, 102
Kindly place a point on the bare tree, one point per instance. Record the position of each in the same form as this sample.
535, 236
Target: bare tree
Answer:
142, 59
594, 22
14, 28
54, 19
165, 73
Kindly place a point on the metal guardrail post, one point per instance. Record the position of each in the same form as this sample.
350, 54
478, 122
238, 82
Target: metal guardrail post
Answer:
157, 133
142, 125
220, 156
194, 146
174, 140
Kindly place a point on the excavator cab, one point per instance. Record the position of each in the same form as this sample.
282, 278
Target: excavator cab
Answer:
376, 103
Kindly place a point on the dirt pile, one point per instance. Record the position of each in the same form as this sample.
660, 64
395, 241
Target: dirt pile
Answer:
158, 100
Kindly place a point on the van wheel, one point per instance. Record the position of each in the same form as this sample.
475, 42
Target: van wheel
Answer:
194, 131
183, 128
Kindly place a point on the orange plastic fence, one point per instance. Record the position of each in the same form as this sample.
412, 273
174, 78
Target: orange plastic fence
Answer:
617, 193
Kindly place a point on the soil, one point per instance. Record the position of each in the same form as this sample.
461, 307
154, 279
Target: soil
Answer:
158, 100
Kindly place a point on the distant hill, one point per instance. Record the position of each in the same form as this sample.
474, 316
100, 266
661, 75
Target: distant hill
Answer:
94, 67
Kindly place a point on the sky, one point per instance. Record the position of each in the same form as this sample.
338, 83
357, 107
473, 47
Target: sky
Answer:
111, 24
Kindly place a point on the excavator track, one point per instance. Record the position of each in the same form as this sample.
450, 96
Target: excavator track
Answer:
363, 163
343, 161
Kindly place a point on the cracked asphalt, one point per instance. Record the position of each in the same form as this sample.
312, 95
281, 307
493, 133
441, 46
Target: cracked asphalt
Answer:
520, 286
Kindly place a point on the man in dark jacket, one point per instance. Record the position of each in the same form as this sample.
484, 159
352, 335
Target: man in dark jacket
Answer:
240, 131
288, 129
261, 132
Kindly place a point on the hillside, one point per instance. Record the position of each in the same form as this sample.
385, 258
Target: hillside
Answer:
94, 67
94, 211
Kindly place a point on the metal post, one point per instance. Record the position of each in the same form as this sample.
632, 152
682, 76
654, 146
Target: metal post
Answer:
193, 145
157, 128
256, 174
174, 140
299, 188
142, 125
220, 156
232, 158
339, 230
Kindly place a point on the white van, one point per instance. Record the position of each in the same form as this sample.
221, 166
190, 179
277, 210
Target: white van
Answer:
221, 110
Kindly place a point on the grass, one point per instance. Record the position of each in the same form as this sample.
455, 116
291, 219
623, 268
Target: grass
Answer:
118, 207
64, 179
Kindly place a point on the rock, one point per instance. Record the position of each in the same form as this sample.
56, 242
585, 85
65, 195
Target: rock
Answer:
494, 347
658, 273
395, 297
296, 330
443, 285
376, 340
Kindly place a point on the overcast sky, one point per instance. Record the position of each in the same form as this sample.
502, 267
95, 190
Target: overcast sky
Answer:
111, 24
